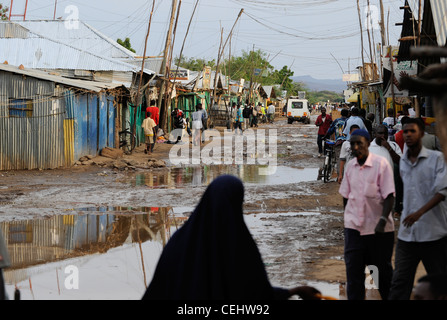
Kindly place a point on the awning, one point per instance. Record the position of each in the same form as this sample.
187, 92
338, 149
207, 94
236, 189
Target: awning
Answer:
354, 97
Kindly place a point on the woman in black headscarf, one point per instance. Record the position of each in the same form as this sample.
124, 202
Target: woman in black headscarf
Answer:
213, 255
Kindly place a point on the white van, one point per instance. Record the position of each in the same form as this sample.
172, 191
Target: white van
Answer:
298, 110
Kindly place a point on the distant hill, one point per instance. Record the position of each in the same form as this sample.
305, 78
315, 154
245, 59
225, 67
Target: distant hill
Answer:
321, 84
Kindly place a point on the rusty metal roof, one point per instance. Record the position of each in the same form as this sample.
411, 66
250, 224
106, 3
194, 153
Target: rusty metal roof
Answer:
61, 49
83, 84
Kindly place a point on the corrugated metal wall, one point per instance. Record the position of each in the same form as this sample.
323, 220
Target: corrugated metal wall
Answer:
37, 139
93, 123
63, 125
439, 9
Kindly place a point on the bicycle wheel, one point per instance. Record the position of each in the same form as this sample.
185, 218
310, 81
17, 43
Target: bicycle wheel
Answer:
327, 169
127, 141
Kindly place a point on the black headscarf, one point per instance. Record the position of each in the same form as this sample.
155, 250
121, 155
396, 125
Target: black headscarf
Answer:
213, 255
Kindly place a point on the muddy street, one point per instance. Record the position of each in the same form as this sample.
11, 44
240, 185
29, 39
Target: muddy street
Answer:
95, 231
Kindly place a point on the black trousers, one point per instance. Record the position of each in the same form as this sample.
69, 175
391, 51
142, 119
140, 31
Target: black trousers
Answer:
2, 286
369, 250
433, 255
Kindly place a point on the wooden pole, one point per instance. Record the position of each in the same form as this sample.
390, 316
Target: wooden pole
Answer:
392, 81
361, 38
419, 23
184, 40
368, 27
170, 86
382, 24
55, 8
137, 98
163, 115
221, 50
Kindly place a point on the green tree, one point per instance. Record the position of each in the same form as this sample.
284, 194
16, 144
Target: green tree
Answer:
250, 65
194, 64
282, 77
3, 12
322, 97
126, 44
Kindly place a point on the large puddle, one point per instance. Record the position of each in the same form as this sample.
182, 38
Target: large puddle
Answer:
203, 175
97, 253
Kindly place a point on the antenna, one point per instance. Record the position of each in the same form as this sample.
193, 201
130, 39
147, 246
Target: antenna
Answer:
55, 8
17, 15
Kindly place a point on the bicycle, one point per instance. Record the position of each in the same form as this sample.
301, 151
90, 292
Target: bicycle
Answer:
127, 141
330, 160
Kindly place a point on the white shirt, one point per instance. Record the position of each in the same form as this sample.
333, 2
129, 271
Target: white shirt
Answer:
390, 121
345, 151
382, 151
197, 120
353, 120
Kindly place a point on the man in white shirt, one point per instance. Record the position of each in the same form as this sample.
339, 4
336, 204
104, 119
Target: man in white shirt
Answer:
353, 119
271, 112
422, 233
385, 148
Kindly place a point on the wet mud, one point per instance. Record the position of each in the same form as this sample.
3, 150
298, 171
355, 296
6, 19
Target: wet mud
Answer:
102, 218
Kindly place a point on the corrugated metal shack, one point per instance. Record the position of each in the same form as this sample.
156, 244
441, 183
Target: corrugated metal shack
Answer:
47, 121
78, 53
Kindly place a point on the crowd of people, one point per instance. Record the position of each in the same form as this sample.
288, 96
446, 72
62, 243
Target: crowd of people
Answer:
390, 170
249, 115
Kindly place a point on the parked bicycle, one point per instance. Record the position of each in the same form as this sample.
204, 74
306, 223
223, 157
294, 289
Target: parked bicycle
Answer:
330, 160
127, 141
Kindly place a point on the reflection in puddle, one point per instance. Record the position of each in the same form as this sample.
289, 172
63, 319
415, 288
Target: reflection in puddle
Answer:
41, 249
204, 175
113, 249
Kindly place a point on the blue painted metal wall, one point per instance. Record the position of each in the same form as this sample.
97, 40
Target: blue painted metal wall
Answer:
94, 123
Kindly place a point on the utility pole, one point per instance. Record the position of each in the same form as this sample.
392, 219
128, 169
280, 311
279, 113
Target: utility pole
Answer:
368, 27
417, 108
382, 25
163, 111
251, 75
221, 50
392, 79
382, 35
183, 45
361, 38
419, 23
137, 98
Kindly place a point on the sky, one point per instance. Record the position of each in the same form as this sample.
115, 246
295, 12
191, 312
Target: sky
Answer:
320, 38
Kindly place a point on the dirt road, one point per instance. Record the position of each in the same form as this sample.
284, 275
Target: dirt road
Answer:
298, 226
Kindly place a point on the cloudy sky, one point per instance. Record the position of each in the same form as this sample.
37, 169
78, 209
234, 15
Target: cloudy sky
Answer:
320, 38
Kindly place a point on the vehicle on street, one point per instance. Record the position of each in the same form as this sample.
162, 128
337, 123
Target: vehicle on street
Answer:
297, 110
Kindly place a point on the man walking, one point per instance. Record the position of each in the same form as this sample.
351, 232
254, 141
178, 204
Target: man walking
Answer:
246, 114
368, 185
271, 112
422, 233
353, 119
323, 122
391, 151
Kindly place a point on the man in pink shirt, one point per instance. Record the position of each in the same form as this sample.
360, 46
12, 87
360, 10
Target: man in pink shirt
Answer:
368, 184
